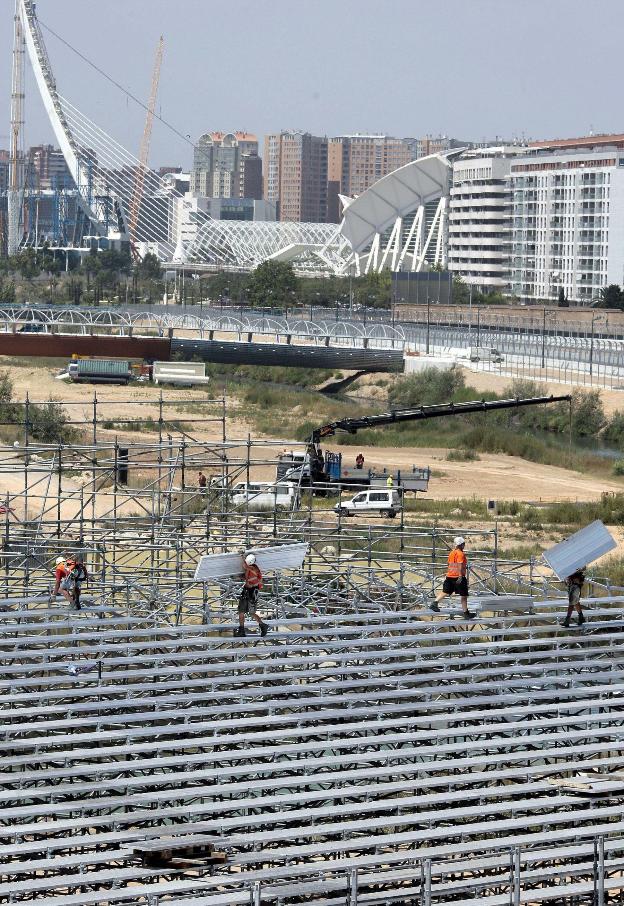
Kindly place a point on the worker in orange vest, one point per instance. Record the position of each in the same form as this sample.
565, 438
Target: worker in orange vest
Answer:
456, 579
248, 601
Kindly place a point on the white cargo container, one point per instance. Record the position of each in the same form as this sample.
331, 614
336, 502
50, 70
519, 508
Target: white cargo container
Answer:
183, 374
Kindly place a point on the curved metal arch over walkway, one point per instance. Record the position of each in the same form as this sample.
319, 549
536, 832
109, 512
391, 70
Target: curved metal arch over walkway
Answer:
51, 320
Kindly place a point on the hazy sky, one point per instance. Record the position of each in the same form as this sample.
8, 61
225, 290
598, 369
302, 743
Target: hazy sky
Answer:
471, 69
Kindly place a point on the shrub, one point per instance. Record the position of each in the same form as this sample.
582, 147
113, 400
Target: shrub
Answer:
462, 455
618, 467
614, 432
427, 387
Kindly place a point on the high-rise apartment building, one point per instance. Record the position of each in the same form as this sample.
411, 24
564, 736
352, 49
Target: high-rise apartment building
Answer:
46, 168
363, 159
226, 165
480, 219
568, 230
295, 176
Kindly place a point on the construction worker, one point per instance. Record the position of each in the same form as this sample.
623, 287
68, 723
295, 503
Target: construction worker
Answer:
389, 482
575, 584
248, 600
201, 480
456, 580
77, 574
60, 572
359, 461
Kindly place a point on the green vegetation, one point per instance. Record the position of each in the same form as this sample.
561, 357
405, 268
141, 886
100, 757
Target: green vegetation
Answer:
47, 422
611, 296
272, 283
462, 456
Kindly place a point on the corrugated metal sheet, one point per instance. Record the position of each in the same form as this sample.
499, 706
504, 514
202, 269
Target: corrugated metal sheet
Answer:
579, 549
269, 559
348, 358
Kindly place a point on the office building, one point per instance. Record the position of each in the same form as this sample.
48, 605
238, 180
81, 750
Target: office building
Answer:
226, 165
480, 218
295, 180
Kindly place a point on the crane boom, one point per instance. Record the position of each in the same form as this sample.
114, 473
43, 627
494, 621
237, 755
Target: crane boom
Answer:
139, 181
417, 413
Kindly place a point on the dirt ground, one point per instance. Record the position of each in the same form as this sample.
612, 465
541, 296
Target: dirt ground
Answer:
492, 476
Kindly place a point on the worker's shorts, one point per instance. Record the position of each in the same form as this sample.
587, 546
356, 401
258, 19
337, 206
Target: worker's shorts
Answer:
574, 595
248, 600
456, 586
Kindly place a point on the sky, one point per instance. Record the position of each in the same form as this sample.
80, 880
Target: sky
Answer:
470, 69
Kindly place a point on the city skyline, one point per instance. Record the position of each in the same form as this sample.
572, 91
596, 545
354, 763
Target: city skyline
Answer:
260, 76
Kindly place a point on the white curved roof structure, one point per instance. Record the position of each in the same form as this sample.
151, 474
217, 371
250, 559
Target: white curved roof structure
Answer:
311, 247
399, 222
395, 195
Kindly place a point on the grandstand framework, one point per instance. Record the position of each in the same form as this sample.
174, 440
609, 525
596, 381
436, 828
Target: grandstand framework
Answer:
366, 751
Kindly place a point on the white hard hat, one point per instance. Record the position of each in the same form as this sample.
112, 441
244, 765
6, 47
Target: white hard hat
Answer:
459, 541
250, 559
59, 560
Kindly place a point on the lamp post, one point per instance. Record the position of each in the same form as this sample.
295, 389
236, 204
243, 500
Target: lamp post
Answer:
594, 320
428, 320
544, 338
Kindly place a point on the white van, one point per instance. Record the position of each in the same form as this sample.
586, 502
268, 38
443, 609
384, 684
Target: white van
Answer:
388, 503
261, 495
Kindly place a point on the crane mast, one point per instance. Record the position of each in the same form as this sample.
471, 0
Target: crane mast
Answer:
14, 195
139, 182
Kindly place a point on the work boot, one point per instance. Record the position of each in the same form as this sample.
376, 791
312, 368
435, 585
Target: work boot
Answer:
240, 632
566, 623
468, 615
581, 618
264, 628
435, 607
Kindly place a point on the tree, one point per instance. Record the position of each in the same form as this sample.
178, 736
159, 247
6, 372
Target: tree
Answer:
562, 301
149, 268
374, 289
611, 296
460, 292
272, 283
26, 264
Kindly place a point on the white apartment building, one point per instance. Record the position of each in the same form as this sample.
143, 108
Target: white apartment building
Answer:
568, 224
480, 218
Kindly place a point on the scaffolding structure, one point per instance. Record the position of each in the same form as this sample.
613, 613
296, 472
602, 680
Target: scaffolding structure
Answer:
126, 493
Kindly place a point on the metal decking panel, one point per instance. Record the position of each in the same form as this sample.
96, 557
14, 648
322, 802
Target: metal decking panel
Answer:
579, 549
269, 559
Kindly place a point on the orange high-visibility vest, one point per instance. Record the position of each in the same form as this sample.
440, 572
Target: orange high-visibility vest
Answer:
456, 560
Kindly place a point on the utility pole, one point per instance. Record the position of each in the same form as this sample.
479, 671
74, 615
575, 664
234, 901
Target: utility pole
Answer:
16, 163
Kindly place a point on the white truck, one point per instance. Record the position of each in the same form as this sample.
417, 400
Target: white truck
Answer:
262, 495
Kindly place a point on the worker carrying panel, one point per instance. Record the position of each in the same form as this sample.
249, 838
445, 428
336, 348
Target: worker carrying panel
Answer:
580, 549
268, 559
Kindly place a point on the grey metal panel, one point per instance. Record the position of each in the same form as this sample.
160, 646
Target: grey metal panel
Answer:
284, 354
269, 559
579, 549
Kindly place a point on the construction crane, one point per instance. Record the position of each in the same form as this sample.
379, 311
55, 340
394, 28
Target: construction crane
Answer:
413, 414
139, 181
16, 161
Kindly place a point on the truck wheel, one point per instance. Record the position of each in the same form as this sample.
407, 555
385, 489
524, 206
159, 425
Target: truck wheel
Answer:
390, 514
343, 511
